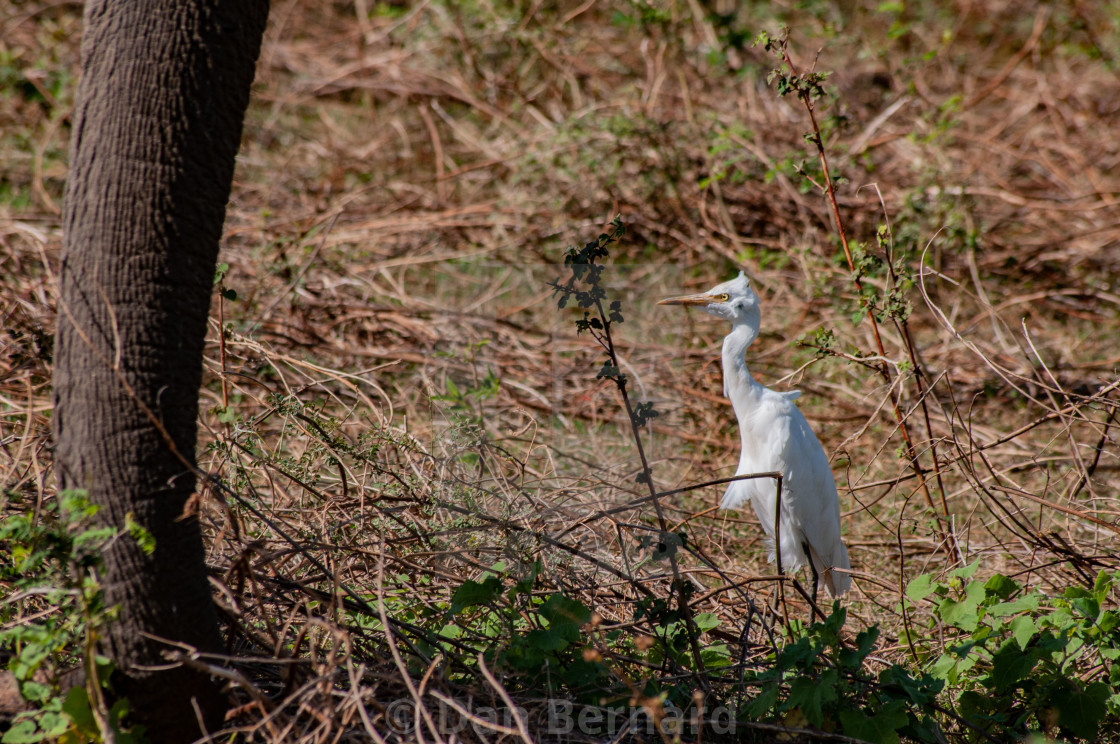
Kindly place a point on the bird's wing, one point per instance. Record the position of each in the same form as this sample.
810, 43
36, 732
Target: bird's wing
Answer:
765, 433
813, 501
758, 492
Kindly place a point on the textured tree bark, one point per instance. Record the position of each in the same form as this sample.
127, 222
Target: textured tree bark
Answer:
157, 125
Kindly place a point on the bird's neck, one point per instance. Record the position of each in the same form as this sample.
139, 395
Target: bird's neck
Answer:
738, 385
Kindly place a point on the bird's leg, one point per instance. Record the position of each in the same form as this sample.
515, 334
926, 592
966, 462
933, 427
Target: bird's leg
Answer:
813, 570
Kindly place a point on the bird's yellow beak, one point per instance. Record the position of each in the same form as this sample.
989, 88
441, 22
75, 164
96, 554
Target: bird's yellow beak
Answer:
693, 299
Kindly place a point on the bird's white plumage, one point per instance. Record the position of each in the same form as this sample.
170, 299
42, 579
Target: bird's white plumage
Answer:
776, 438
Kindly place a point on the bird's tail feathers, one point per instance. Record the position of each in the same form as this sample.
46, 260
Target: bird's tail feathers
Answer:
793, 557
736, 496
837, 582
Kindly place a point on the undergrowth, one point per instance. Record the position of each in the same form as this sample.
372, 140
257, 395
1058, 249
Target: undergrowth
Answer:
52, 619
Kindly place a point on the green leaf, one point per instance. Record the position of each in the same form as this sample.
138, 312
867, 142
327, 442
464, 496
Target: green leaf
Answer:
35, 692
1009, 666
53, 724
865, 642
706, 621
29, 659
22, 732
810, 695
947, 668
1081, 711
565, 616
1083, 601
963, 614
958, 614
761, 706
973, 706
609, 371
141, 535
920, 588
919, 691
716, 656
1026, 603
1103, 584
1001, 586
473, 593
132, 734
549, 639
220, 272
880, 728
1023, 629
582, 674
964, 572
1074, 644
799, 655
76, 706
643, 412
74, 504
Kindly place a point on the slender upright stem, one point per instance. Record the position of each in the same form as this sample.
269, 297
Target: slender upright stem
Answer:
647, 477
947, 537
778, 545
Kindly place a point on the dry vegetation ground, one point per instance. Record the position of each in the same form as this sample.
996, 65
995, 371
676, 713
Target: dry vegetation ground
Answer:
409, 177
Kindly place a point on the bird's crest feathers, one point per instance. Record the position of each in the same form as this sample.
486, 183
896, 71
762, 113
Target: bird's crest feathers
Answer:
737, 287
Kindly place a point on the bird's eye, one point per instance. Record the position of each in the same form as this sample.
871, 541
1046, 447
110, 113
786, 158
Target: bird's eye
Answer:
724, 297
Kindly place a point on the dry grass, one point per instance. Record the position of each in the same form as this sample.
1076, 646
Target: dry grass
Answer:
406, 185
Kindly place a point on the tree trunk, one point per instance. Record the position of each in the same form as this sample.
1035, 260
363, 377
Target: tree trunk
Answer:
156, 128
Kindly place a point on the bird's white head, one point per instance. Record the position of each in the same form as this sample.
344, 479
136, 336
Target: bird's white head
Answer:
734, 301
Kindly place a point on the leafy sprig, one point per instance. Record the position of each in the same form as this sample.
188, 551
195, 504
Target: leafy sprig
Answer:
585, 288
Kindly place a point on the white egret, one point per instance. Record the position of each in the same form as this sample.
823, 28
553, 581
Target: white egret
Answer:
776, 438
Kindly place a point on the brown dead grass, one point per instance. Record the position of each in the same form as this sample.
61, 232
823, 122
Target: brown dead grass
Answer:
405, 187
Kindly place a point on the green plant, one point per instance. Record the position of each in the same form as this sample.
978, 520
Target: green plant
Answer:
883, 265
809, 89
600, 313
1019, 660
585, 288
537, 637
550, 643
817, 679
52, 564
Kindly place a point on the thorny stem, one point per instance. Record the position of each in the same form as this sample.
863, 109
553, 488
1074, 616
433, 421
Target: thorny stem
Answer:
948, 540
607, 343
